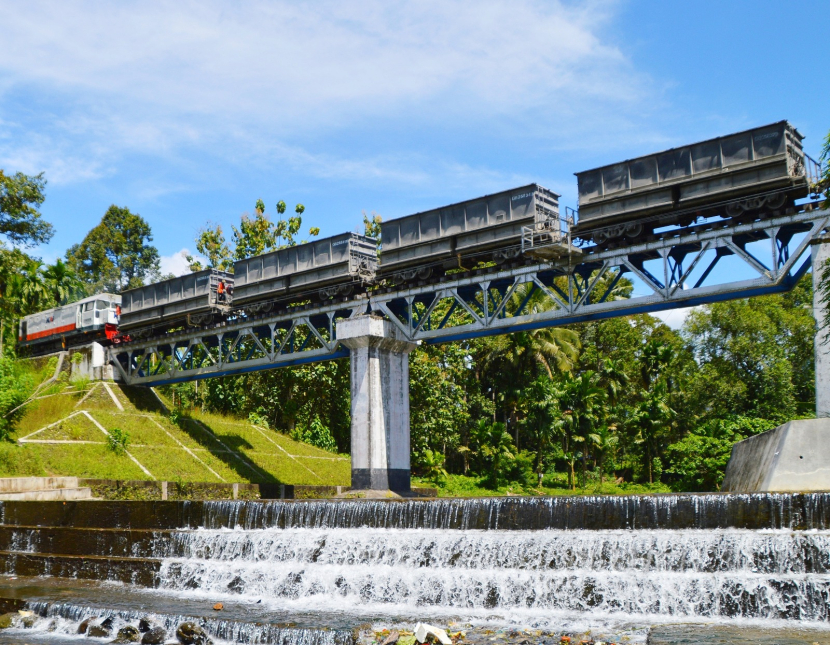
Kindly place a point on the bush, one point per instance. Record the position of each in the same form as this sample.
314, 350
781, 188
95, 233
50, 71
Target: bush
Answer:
16, 385
697, 463
316, 434
118, 440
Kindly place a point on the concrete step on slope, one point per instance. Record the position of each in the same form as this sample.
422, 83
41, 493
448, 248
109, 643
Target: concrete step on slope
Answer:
50, 494
23, 484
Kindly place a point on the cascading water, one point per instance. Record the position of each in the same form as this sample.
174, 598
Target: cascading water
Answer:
499, 561
605, 565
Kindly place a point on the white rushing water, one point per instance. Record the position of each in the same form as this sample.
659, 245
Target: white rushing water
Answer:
546, 579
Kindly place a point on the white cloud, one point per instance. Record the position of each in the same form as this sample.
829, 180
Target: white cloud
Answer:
176, 263
244, 79
675, 318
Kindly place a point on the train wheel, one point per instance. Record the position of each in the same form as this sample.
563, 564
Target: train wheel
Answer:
776, 200
424, 273
733, 209
633, 230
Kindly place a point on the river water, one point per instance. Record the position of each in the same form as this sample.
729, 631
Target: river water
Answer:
498, 569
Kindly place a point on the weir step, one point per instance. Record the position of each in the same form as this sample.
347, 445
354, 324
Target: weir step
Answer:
136, 571
48, 494
26, 484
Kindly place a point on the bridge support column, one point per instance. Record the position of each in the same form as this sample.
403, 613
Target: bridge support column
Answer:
380, 402
820, 253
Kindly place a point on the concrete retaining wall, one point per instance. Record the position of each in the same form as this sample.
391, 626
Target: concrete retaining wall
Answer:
792, 457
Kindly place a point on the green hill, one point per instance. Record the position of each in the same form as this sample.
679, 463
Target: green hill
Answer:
71, 430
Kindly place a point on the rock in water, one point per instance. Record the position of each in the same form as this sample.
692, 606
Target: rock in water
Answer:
7, 620
423, 632
84, 625
128, 634
98, 631
154, 636
192, 634
144, 625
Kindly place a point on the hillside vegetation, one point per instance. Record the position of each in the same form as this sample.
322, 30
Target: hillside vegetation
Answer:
109, 431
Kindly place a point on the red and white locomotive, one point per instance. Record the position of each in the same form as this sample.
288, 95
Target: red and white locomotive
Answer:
87, 320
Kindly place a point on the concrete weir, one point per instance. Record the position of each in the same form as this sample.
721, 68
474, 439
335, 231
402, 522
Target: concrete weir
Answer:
380, 403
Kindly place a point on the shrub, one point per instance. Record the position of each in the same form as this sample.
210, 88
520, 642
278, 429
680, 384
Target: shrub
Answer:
118, 440
316, 434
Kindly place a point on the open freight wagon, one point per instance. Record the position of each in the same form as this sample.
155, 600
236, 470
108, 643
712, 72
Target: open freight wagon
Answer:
482, 229
192, 299
746, 173
324, 268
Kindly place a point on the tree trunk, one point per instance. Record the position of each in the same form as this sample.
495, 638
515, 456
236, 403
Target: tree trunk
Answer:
2, 325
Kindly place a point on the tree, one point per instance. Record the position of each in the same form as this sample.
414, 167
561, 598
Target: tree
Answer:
211, 243
255, 235
62, 283
116, 255
20, 219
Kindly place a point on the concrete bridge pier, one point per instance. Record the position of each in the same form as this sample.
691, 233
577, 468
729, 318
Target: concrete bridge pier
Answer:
380, 403
820, 254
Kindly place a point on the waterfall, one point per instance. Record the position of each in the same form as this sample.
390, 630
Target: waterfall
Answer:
608, 565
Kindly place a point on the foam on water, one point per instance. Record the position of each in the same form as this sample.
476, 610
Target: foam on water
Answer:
536, 578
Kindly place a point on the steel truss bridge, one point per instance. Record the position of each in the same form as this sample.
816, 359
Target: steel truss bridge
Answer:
575, 287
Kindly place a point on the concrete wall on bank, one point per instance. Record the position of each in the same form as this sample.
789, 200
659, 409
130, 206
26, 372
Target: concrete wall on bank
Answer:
792, 457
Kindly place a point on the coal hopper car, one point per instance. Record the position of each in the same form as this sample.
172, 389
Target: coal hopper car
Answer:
748, 174
322, 269
488, 228
190, 300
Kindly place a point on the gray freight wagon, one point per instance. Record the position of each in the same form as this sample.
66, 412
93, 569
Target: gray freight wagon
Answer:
323, 268
192, 299
483, 229
748, 172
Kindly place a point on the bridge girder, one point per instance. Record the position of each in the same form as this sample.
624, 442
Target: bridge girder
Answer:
495, 301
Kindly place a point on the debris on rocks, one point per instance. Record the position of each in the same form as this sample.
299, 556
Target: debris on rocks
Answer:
424, 632
218, 606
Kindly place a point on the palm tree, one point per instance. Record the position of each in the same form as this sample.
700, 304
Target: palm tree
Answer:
496, 446
525, 352
62, 283
583, 403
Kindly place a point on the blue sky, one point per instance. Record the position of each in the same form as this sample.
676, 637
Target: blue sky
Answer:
188, 112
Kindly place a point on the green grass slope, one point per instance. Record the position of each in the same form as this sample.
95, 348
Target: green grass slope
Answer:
66, 429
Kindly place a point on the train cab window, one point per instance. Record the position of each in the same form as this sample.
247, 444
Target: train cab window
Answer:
103, 304
88, 306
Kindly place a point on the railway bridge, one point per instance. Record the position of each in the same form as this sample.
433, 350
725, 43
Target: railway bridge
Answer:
559, 285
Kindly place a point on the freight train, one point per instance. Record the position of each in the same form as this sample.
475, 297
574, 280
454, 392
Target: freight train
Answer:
752, 174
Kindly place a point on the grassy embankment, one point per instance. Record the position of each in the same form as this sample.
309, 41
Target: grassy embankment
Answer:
64, 431
461, 486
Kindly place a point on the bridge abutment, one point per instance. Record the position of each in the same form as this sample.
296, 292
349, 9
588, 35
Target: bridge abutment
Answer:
380, 403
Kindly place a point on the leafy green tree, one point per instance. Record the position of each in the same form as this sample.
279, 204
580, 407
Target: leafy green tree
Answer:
755, 356
20, 220
495, 445
116, 254
432, 464
211, 243
62, 283
698, 461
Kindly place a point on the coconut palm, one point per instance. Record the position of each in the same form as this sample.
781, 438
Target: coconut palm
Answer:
62, 283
